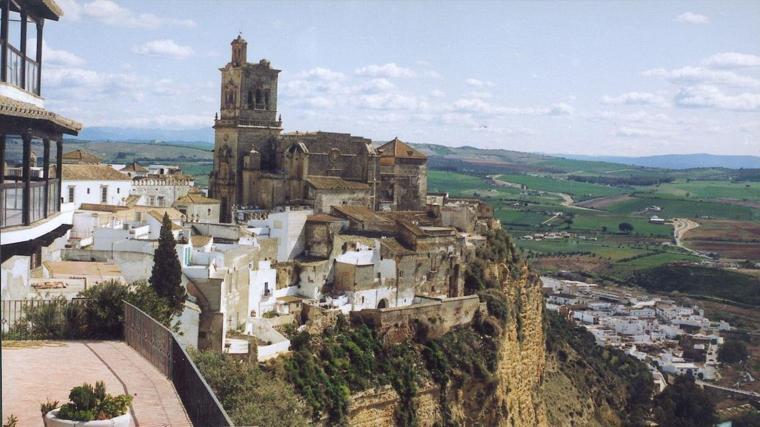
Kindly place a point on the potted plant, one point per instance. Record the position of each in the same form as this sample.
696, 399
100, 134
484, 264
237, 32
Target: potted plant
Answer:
90, 406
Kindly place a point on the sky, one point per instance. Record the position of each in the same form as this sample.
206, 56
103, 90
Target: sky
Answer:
594, 78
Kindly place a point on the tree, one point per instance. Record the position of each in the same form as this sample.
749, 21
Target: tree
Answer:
166, 276
683, 404
625, 227
732, 351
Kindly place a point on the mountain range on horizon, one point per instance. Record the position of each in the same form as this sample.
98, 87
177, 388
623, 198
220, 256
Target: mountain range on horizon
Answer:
205, 136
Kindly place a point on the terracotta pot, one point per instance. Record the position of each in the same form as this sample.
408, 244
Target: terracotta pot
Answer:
51, 420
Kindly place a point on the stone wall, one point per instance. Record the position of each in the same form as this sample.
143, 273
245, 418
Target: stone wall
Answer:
324, 200
438, 316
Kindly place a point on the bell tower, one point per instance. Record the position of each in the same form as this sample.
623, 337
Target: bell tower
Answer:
247, 123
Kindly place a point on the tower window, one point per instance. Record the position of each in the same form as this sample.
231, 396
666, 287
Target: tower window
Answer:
259, 99
250, 98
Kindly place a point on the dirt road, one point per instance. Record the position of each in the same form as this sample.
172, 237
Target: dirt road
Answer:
681, 226
567, 200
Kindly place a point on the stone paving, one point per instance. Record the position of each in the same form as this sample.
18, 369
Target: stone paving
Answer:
34, 371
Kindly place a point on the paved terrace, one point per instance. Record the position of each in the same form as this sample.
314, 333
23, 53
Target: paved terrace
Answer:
36, 370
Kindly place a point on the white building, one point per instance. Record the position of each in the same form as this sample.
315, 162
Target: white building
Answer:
161, 190
94, 184
287, 227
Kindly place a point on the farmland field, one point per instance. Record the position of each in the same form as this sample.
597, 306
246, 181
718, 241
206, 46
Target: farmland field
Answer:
711, 190
579, 190
730, 239
673, 207
533, 206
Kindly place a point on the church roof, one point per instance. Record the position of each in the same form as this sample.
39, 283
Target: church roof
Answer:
80, 156
399, 149
335, 183
87, 172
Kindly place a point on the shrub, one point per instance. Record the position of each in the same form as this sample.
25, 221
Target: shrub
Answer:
11, 421
48, 406
99, 315
88, 403
683, 403
732, 351
250, 395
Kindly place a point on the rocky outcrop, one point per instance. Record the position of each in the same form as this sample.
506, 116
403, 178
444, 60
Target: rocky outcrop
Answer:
511, 396
521, 352
377, 407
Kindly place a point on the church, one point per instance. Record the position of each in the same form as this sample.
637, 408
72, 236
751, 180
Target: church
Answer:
257, 166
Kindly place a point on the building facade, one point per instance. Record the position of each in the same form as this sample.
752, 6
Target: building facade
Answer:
256, 166
31, 137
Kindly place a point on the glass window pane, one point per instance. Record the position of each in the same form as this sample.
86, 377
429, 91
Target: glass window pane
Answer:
31, 39
14, 29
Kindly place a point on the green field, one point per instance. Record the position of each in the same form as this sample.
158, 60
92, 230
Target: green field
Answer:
673, 207
579, 190
710, 190
456, 184
574, 246
614, 255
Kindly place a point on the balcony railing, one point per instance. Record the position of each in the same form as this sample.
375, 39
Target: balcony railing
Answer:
22, 71
12, 201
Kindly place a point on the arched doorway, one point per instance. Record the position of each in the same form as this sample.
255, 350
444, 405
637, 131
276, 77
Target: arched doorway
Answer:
383, 303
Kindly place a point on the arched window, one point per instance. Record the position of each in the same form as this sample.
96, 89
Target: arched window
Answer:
259, 99
266, 100
250, 98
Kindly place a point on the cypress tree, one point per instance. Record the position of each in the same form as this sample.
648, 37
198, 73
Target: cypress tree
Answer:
166, 276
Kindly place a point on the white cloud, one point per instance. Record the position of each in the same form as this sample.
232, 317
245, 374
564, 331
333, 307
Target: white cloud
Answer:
477, 83
320, 73
437, 93
163, 47
54, 57
634, 132
71, 10
111, 13
166, 121
640, 116
634, 98
700, 75
477, 105
706, 96
85, 85
390, 70
692, 18
732, 60
482, 94
388, 101
375, 86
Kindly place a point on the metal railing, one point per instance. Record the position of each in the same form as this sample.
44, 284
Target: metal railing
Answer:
41, 319
159, 346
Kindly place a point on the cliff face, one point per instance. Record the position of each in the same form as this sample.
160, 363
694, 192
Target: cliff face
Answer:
522, 352
494, 373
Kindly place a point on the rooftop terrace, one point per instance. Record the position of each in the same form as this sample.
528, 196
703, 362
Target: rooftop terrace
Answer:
34, 371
